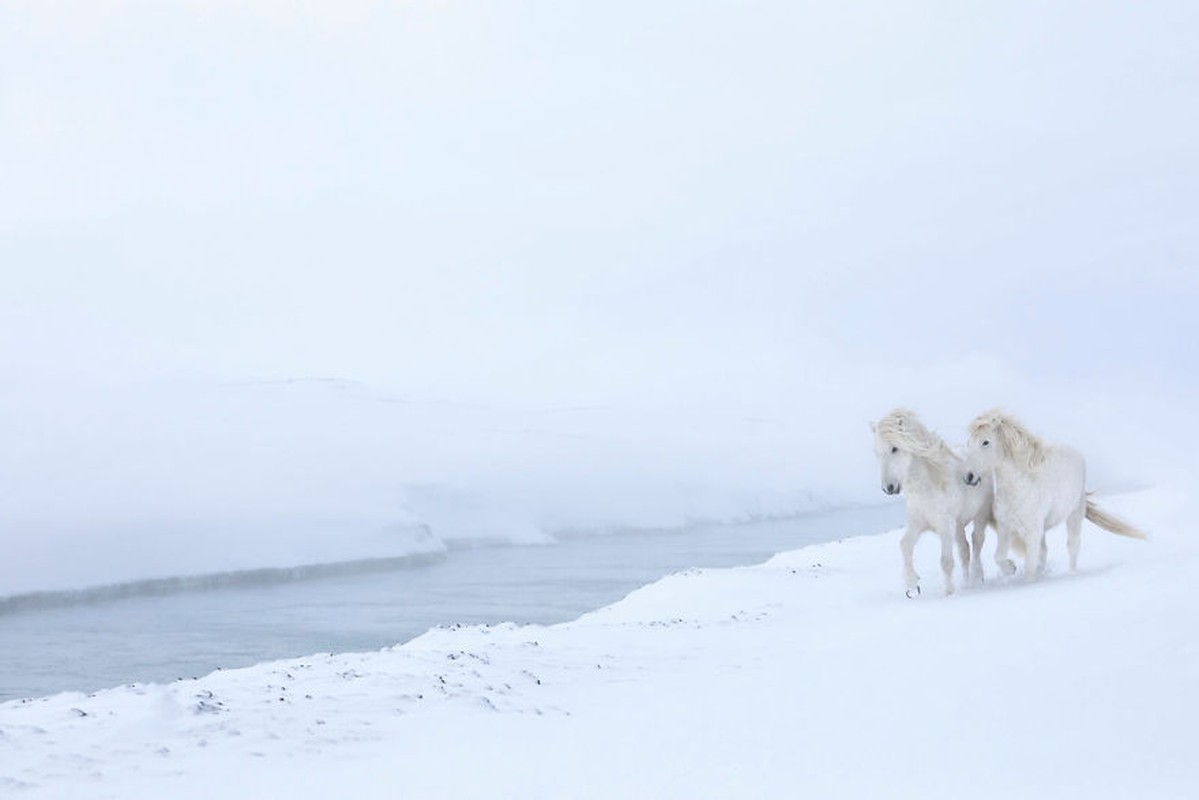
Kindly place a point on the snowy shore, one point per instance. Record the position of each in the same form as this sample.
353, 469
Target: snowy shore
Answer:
810, 674
176, 485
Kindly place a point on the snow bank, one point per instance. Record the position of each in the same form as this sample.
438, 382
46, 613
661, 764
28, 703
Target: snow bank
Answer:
133, 486
810, 674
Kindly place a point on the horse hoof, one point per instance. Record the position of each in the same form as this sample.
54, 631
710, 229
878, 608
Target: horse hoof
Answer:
912, 593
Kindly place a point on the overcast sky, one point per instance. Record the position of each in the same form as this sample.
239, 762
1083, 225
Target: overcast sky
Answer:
547, 202
432, 194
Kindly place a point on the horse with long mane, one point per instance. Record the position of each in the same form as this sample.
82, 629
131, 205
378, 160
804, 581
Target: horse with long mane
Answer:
917, 462
1038, 486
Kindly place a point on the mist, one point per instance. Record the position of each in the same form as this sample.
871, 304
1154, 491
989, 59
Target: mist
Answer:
532, 267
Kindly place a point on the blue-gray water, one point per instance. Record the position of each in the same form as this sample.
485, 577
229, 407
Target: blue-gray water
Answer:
160, 637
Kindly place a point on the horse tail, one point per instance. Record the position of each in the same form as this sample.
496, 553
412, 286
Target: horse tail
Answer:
1110, 522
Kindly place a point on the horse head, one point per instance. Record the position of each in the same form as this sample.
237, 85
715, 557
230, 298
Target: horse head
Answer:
996, 437
892, 446
984, 449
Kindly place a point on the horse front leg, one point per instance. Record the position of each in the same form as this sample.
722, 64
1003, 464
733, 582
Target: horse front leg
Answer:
947, 558
1034, 552
906, 545
963, 549
1003, 536
978, 535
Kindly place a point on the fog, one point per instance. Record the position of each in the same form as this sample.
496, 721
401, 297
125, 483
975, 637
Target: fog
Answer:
574, 266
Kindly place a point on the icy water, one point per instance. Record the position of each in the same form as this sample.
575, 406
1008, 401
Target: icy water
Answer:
187, 634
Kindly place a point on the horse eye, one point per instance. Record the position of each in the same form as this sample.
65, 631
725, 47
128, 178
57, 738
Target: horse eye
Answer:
894, 449
986, 442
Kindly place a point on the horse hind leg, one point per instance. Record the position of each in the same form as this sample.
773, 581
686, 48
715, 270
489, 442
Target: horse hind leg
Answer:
1074, 535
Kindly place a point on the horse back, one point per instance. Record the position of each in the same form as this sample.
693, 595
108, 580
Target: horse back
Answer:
1065, 484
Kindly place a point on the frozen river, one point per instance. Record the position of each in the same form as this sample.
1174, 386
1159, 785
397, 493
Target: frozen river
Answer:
163, 637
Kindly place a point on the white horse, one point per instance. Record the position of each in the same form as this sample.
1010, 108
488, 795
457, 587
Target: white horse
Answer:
918, 463
1037, 487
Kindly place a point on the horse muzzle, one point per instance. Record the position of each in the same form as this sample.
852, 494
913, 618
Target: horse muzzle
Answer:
891, 488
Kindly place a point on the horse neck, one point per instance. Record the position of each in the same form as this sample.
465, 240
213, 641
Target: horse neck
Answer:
930, 475
1010, 471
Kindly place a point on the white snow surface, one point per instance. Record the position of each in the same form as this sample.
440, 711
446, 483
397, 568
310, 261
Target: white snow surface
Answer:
808, 675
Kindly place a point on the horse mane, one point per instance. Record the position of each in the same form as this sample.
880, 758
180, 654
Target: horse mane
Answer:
1018, 442
903, 429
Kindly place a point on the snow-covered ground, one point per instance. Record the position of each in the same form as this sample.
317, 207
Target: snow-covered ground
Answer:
808, 675
286, 287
